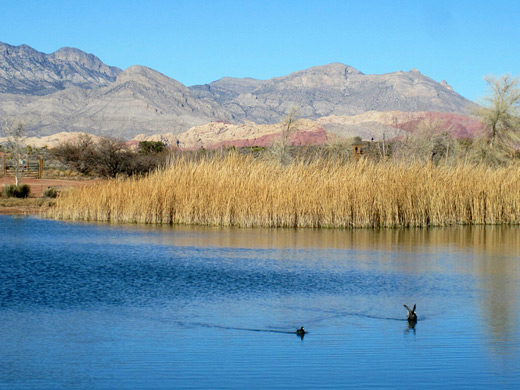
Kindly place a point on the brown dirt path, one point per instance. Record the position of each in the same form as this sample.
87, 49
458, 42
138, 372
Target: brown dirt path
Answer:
33, 204
40, 185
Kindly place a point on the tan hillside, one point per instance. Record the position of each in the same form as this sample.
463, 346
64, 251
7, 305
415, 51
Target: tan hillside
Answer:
54, 140
369, 125
374, 124
216, 134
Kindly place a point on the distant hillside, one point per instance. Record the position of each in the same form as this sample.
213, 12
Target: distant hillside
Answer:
217, 134
26, 71
72, 91
226, 89
369, 126
338, 89
141, 100
373, 124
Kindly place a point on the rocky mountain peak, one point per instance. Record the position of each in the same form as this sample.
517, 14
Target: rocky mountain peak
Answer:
85, 60
148, 77
24, 70
7, 49
445, 84
239, 85
70, 90
316, 77
226, 89
334, 69
73, 54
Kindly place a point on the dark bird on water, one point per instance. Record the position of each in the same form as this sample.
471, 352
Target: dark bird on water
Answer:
301, 331
412, 317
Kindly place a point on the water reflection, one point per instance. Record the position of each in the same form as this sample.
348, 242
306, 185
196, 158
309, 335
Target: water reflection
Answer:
411, 327
491, 254
207, 300
478, 239
499, 303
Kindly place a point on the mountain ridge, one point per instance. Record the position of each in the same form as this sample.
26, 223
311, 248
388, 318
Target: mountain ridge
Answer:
73, 91
26, 71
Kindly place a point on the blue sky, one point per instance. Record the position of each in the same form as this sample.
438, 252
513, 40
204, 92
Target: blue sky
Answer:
196, 42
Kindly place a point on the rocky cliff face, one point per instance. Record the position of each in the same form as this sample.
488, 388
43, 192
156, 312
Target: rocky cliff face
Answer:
26, 71
226, 89
338, 89
140, 100
72, 91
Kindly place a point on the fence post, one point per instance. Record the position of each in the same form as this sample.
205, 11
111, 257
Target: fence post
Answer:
40, 168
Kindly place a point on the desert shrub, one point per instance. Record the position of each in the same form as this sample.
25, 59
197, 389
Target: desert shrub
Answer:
110, 157
21, 191
50, 192
9, 191
151, 147
256, 149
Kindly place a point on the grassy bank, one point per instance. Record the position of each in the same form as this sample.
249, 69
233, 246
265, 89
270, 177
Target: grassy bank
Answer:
27, 206
243, 191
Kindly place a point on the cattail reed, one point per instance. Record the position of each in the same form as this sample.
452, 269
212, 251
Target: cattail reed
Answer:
237, 190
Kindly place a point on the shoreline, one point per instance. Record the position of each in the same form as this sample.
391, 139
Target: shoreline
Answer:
35, 202
28, 206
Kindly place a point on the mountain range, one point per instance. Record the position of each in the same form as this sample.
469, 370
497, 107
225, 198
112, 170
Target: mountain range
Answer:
72, 91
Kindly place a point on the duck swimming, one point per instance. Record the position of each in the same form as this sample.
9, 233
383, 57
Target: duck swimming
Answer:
412, 317
301, 331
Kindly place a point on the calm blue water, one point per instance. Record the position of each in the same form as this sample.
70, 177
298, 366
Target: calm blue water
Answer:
104, 306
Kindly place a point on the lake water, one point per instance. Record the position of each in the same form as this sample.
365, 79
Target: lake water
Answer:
103, 306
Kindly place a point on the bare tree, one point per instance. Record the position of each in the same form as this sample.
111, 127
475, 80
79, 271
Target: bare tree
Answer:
113, 157
109, 157
280, 148
78, 154
501, 116
16, 146
431, 140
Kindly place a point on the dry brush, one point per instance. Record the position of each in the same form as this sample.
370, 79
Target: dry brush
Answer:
237, 190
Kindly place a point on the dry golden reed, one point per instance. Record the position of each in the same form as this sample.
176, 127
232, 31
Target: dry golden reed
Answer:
238, 190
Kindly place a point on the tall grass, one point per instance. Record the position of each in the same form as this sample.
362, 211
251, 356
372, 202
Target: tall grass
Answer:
237, 190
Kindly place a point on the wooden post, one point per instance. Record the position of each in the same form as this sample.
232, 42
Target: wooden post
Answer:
40, 168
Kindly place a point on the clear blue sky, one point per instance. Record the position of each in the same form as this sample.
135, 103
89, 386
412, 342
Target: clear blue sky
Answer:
196, 42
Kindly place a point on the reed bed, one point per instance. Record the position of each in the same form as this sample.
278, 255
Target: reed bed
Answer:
237, 190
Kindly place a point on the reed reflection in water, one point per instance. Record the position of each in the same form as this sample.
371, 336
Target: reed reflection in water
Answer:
96, 305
